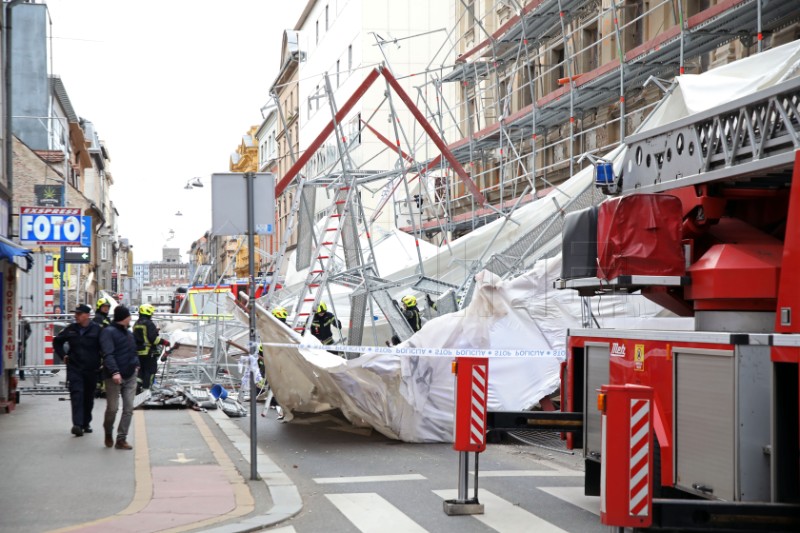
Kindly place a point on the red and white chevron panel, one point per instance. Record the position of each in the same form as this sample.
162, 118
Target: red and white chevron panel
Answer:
640, 457
48, 309
477, 426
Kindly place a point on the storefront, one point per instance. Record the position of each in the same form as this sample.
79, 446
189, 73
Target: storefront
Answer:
13, 259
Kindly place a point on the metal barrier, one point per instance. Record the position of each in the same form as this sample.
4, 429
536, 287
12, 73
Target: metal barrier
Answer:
204, 356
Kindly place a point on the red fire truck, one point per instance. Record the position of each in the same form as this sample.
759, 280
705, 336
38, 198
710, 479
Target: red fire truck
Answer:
705, 222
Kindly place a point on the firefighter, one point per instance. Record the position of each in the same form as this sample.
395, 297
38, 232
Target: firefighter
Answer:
101, 319
148, 343
323, 321
411, 314
280, 313
101, 312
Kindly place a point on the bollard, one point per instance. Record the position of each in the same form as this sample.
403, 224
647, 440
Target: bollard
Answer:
472, 385
626, 497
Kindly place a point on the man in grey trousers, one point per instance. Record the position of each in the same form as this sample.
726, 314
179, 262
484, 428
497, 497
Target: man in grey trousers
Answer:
120, 369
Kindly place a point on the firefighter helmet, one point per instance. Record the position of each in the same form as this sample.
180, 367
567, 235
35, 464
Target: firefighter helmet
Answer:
409, 301
322, 307
147, 310
101, 302
280, 312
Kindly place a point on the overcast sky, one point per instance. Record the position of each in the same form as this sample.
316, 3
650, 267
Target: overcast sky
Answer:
171, 87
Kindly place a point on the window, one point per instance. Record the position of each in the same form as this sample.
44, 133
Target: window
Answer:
590, 55
350, 59
470, 15
103, 251
633, 20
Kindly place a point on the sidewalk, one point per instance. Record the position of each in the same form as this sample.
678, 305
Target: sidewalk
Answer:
180, 476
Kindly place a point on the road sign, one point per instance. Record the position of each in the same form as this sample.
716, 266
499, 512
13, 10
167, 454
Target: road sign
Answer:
50, 225
76, 254
86, 231
229, 204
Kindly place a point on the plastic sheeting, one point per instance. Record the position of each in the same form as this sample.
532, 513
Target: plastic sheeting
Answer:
411, 398
698, 92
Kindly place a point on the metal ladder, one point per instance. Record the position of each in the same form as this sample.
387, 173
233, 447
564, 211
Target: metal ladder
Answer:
324, 257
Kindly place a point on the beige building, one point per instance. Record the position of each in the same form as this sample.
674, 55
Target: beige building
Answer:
285, 91
542, 85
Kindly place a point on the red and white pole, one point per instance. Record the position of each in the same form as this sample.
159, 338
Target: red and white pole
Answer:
626, 498
472, 390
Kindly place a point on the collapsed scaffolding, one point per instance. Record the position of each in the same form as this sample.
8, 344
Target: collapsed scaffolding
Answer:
529, 94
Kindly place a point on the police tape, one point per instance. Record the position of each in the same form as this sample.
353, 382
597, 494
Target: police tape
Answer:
425, 352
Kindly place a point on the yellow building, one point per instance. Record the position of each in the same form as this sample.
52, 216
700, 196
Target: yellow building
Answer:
245, 159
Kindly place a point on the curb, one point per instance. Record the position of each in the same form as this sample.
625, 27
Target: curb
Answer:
286, 499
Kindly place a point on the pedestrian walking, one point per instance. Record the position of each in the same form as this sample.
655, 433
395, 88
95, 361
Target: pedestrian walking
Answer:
120, 368
22, 347
82, 357
148, 344
322, 323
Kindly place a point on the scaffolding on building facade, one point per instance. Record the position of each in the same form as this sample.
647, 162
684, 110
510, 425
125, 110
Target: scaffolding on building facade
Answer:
511, 117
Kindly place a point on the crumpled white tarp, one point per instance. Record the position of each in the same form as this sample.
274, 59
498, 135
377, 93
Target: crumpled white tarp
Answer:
698, 92
411, 398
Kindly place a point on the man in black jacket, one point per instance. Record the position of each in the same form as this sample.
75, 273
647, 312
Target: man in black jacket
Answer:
83, 364
120, 368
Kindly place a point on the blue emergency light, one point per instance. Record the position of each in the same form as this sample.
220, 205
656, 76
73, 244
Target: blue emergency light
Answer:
603, 174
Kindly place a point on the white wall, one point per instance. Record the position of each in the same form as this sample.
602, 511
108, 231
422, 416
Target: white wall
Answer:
351, 23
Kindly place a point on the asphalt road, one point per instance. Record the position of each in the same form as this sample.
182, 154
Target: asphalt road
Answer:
355, 479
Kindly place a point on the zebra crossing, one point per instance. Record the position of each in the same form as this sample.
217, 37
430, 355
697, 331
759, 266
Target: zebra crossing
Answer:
370, 512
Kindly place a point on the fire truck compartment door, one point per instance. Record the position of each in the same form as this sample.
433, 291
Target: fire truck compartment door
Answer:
722, 413
596, 368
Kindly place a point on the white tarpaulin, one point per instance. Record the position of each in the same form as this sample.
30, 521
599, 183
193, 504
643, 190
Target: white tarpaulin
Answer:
411, 397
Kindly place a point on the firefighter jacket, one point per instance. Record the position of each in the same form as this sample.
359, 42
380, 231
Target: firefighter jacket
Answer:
322, 324
413, 318
101, 319
145, 333
119, 349
84, 346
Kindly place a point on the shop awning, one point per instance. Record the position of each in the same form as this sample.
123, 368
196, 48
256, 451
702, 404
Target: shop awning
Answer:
16, 254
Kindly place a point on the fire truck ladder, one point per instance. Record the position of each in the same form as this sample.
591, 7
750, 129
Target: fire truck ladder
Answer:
748, 138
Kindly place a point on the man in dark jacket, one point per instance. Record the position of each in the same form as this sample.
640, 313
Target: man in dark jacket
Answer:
148, 344
323, 321
83, 364
120, 368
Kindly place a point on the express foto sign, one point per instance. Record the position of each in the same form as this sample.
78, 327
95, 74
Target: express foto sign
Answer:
50, 225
